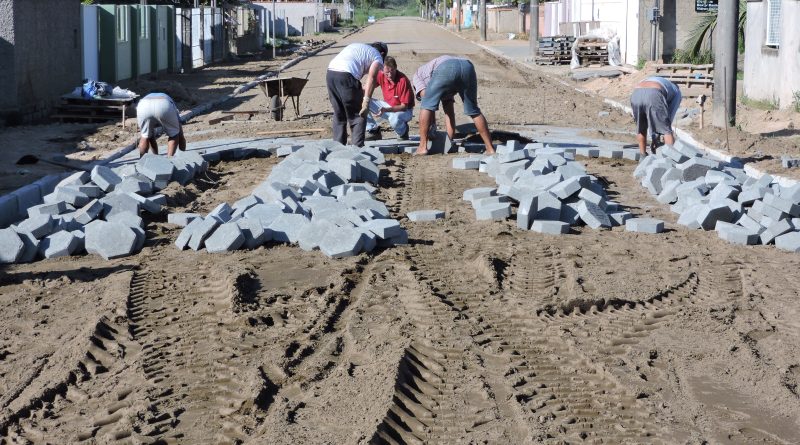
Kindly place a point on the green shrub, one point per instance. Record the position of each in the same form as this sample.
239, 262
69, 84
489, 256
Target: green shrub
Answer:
702, 58
796, 101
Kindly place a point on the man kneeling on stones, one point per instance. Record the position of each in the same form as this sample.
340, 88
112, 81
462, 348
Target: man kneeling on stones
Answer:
439, 81
397, 105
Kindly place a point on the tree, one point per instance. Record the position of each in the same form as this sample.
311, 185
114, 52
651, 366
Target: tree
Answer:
700, 37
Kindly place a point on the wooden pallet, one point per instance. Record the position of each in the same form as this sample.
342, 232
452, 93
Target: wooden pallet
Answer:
74, 108
693, 80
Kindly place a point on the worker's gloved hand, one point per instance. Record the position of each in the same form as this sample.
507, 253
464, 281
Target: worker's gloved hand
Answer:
364, 107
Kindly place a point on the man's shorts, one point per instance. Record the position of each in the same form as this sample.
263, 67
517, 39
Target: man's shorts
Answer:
154, 111
453, 76
650, 106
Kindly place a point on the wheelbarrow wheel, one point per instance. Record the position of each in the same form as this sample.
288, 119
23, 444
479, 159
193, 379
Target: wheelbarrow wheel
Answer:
276, 107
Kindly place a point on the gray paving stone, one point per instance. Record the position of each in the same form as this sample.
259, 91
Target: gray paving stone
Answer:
105, 178
644, 225
566, 188
182, 242
781, 204
526, 210
631, 154
772, 212
287, 226
569, 212
672, 174
791, 194
736, 234
384, 228
145, 204
490, 200
11, 246
764, 181
156, 168
723, 191
550, 227
466, 163
789, 241
181, 219
39, 226
369, 240
644, 163
685, 148
226, 238
670, 152
493, 211
716, 176
751, 194
8, 209
618, 218
119, 203
201, 232
696, 168
669, 193
571, 169
31, 249
89, 212
58, 244
593, 197
711, 213
72, 196
313, 233
593, 215
221, 213
127, 219
652, 180
548, 207
255, 234
90, 190
545, 182
134, 184
478, 193
53, 209
109, 239
369, 172
273, 191
611, 153
77, 178
425, 215
775, 230
342, 242
27, 196
265, 213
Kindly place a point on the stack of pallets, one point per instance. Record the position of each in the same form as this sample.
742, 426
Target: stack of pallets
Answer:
556, 50
74, 108
592, 51
693, 80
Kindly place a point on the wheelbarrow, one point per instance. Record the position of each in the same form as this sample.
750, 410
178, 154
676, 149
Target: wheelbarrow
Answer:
278, 90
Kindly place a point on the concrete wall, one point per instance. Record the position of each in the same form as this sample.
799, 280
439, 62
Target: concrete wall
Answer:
770, 73
503, 20
46, 47
8, 102
295, 11
678, 19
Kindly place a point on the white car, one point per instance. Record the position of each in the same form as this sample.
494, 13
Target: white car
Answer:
371, 19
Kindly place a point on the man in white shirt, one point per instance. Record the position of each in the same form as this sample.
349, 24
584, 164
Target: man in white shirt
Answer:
349, 99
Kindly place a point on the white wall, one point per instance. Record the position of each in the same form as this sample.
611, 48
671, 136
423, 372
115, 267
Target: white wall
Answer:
90, 38
771, 74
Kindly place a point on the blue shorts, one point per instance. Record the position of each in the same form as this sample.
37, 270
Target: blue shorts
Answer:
454, 76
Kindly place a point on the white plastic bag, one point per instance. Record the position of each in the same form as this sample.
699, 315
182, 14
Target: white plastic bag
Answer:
611, 37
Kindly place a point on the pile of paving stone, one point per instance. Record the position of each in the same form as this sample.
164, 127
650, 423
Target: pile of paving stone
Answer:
720, 196
97, 212
320, 196
552, 190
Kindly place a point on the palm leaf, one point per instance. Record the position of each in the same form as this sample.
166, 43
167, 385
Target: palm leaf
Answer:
701, 33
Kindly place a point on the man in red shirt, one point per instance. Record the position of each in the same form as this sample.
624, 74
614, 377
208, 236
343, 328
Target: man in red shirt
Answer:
397, 105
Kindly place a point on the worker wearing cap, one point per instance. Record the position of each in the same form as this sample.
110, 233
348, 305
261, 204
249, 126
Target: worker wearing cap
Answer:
655, 102
439, 81
349, 99
158, 109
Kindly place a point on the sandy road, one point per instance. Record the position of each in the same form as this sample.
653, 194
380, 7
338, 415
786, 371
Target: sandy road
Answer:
476, 332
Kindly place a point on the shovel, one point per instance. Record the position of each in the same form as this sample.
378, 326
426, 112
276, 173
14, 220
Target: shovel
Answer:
32, 159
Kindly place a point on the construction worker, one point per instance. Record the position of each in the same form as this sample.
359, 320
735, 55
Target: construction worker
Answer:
439, 81
397, 105
158, 109
655, 102
350, 101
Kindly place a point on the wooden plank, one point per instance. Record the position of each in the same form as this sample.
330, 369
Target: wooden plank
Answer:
216, 120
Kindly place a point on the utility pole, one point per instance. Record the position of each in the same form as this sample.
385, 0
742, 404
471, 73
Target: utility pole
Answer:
654, 15
533, 39
427, 10
458, 16
273, 29
482, 18
725, 55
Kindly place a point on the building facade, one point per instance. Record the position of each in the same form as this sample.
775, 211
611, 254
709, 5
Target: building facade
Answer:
39, 59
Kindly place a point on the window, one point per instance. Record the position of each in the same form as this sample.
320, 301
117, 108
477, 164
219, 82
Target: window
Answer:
144, 22
122, 23
773, 23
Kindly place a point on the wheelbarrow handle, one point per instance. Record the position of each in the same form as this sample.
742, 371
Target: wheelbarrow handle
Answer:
308, 74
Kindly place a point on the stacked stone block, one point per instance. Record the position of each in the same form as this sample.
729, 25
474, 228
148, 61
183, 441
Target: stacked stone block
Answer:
720, 196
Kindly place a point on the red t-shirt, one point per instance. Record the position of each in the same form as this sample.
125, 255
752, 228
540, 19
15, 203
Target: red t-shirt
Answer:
398, 92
